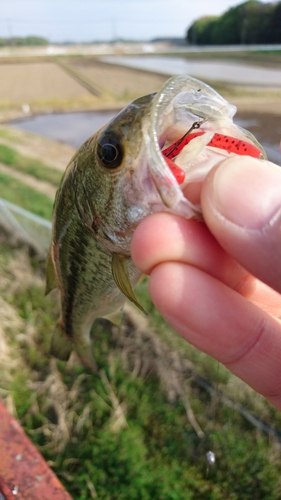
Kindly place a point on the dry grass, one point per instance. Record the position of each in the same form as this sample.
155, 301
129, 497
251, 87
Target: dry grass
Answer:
14, 274
10, 323
144, 353
58, 403
79, 420
52, 396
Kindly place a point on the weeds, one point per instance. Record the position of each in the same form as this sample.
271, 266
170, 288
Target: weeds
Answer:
142, 427
21, 194
127, 432
31, 166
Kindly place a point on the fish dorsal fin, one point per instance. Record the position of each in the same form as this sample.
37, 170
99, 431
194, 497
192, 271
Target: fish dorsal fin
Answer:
122, 280
51, 279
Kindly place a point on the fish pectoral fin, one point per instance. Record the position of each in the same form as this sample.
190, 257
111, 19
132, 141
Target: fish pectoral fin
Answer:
122, 280
51, 278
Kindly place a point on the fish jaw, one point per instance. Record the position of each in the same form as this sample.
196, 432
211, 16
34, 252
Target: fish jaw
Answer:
182, 104
144, 183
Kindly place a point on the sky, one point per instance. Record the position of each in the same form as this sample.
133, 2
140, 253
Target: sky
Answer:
104, 20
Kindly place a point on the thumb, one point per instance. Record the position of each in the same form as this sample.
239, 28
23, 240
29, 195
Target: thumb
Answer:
241, 203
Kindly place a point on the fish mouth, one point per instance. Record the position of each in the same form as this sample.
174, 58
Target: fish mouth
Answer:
185, 115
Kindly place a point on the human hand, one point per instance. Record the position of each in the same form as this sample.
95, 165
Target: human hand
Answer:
218, 283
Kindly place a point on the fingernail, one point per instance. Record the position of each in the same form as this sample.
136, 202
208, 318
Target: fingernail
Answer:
248, 191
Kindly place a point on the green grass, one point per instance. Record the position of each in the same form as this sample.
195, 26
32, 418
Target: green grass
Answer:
28, 165
21, 194
117, 435
10, 135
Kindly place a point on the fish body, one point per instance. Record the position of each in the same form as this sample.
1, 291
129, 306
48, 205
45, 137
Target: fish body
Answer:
99, 203
120, 175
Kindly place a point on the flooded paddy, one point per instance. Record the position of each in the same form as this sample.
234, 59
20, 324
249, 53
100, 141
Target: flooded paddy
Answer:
70, 128
227, 72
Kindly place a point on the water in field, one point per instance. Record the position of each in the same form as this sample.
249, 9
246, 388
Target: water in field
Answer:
71, 128
75, 128
228, 72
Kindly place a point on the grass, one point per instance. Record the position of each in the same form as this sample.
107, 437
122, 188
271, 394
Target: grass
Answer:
21, 194
31, 166
9, 134
124, 434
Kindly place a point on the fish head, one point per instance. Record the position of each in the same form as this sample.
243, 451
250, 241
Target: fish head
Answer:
120, 174
114, 189
184, 105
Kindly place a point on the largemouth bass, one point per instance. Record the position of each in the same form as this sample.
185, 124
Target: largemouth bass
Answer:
136, 165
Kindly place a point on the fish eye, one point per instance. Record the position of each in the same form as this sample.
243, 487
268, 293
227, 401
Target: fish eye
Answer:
110, 152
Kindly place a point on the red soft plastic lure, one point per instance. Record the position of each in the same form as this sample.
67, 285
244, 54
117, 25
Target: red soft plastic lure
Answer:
177, 172
220, 141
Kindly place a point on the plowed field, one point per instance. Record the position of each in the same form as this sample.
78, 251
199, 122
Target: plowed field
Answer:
120, 81
29, 82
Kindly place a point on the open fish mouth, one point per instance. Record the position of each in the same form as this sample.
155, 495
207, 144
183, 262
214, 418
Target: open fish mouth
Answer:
189, 131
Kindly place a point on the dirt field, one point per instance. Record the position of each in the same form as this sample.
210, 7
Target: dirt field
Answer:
28, 82
66, 86
48, 87
87, 84
43, 86
121, 82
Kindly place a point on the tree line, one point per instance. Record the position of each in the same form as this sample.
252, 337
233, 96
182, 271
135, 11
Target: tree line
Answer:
251, 22
18, 41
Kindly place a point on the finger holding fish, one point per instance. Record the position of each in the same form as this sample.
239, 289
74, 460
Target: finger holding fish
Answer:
223, 310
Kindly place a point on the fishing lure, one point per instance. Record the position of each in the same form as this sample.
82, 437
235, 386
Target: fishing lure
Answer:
220, 141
